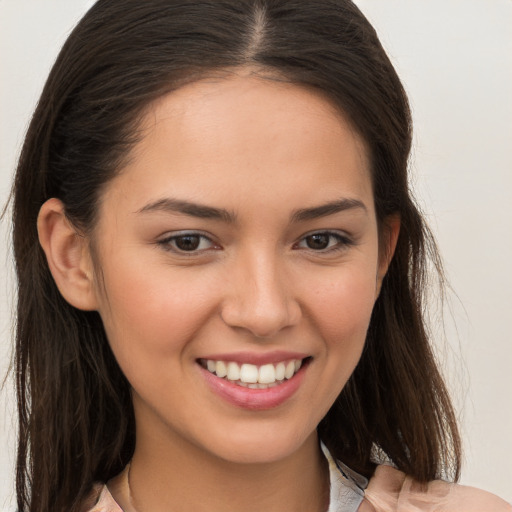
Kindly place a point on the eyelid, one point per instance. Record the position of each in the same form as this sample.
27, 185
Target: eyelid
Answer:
344, 241
166, 242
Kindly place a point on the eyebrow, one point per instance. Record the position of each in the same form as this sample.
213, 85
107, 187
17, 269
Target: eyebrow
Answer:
171, 205
327, 209
192, 209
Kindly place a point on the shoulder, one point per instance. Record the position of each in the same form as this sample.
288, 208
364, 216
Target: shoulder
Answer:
390, 490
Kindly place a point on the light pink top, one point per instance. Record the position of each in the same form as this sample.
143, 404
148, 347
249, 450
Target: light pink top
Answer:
389, 490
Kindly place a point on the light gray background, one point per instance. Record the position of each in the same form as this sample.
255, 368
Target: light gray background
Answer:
455, 58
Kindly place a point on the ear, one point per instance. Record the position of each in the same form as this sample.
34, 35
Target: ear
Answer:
387, 246
68, 256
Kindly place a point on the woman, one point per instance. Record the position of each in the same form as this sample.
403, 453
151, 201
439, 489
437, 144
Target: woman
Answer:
220, 266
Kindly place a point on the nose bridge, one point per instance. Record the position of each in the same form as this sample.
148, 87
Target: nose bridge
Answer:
261, 299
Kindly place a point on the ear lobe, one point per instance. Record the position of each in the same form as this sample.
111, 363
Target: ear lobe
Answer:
390, 232
68, 256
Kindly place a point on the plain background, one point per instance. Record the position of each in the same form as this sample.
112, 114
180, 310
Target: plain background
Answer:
455, 59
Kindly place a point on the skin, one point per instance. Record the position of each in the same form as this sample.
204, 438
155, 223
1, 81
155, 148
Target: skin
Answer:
261, 151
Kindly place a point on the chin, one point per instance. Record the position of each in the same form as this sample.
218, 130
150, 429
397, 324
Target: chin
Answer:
265, 448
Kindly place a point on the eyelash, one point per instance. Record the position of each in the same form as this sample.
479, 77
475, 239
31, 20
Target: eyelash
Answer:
341, 244
169, 243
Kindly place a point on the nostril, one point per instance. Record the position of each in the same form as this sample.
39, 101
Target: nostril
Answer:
261, 321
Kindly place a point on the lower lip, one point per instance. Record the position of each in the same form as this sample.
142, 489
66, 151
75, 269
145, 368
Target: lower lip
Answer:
254, 399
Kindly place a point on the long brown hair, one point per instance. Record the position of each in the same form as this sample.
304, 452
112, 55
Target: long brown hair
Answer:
76, 422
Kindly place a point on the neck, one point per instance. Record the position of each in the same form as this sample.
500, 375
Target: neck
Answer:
185, 478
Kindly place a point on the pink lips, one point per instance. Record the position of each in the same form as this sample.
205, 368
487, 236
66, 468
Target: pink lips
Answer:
255, 399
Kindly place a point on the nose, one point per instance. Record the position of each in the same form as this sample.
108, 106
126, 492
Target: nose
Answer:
259, 297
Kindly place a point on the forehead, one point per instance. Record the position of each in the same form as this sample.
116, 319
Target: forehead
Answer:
248, 135
242, 99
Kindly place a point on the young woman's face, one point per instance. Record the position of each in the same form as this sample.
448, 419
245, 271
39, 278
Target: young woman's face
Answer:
240, 238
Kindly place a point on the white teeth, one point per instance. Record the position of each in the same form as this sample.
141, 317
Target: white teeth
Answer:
280, 369
267, 374
220, 369
233, 371
249, 373
290, 370
252, 376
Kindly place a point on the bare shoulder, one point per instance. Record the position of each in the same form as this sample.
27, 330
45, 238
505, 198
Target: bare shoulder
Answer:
390, 490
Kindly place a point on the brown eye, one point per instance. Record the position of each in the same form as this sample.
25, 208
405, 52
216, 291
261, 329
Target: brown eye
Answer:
325, 242
187, 242
318, 241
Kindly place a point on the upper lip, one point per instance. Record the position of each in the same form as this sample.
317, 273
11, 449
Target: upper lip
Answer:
256, 358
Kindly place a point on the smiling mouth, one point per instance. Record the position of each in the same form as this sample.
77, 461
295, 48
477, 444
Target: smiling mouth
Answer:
254, 376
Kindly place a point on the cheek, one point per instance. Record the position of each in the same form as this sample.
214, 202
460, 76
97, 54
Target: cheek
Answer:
342, 306
342, 313
152, 314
